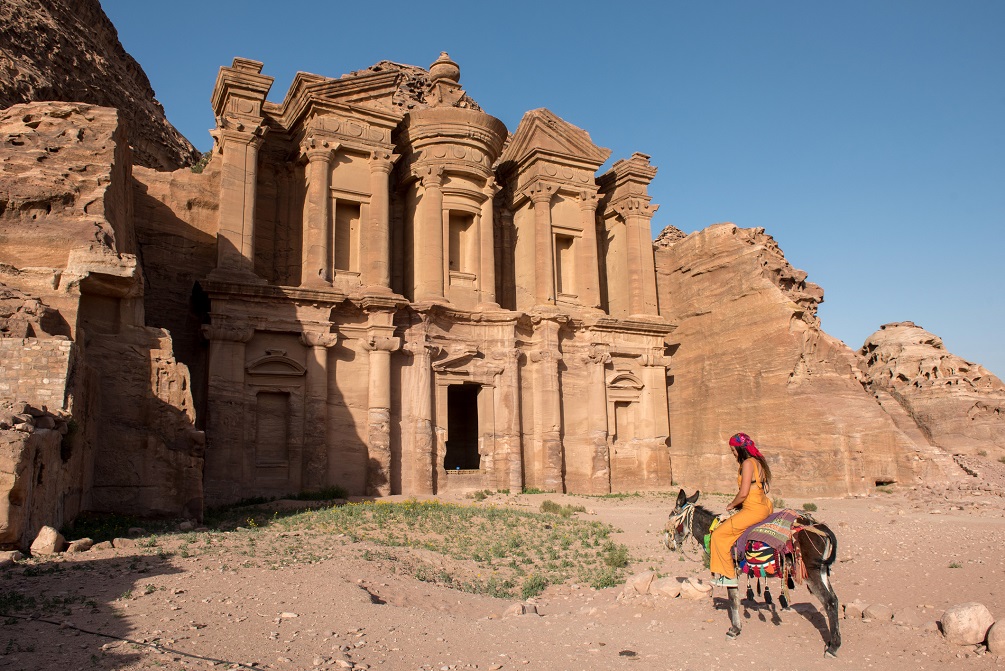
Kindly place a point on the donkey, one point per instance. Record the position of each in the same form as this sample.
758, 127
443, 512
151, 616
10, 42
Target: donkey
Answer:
818, 552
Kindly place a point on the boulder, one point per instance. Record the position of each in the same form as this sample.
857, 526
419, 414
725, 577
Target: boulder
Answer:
8, 557
123, 543
996, 639
695, 590
967, 623
103, 545
878, 611
640, 582
669, 587
854, 610
47, 542
520, 609
80, 545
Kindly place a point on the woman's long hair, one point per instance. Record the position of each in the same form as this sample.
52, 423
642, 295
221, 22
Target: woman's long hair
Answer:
742, 455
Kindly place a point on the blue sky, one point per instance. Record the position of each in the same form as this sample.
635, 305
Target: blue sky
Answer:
867, 137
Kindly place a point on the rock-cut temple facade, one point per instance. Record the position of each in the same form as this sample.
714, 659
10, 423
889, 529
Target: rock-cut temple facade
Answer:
409, 299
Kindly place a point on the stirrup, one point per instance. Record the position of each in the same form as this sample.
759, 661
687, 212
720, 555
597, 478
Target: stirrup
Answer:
723, 581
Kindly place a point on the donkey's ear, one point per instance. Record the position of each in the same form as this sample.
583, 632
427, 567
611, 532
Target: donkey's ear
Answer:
694, 497
681, 498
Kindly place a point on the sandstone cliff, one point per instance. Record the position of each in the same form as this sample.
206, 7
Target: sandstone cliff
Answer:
72, 334
753, 358
68, 50
959, 405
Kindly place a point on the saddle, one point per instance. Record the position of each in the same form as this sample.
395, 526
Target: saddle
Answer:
762, 549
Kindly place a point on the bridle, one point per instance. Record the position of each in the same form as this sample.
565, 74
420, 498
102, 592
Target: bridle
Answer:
679, 521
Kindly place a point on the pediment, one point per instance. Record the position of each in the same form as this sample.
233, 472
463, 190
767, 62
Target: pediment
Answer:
626, 381
275, 362
543, 132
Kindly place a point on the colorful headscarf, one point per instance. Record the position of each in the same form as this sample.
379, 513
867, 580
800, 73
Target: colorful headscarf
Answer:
744, 441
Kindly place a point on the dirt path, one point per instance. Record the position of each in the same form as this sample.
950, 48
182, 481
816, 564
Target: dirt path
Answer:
347, 606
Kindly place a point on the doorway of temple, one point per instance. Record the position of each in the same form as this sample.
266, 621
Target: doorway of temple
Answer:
462, 427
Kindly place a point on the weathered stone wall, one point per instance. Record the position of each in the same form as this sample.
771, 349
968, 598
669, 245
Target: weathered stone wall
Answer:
176, 217
34, 370
752, 358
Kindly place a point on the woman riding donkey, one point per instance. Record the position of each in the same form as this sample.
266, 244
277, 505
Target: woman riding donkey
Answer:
752, 503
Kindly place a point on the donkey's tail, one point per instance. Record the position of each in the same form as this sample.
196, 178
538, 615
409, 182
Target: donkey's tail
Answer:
827, 561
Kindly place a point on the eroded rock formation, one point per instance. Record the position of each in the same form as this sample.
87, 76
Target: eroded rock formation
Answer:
959, 405
72, 337
68, 50
753, 358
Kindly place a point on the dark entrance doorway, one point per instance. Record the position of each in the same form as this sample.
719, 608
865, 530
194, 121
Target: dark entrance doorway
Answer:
462, 427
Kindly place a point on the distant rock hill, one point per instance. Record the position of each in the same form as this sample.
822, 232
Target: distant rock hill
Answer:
959, 405
69, 51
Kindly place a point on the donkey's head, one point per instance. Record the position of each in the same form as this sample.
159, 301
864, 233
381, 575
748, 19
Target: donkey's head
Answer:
680, 519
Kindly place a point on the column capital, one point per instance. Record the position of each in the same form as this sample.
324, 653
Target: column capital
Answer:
540, 192
492, 188
420, 349
654, 360
382, 161
598, 354
588, 199
316, 149
228, 332
638, 207
508, 355
429, 175
324, 339
382, 344
545, 356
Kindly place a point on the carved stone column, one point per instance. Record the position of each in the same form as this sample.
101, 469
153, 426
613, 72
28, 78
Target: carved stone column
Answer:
548, 417
655, 425
509, 474
315, 463
637, 214
224, 465
487, 246
428, 260
377, 240
316, 269
508, 296
544, 244
378, 481
420, 405
596, 361
235, 243
589, 270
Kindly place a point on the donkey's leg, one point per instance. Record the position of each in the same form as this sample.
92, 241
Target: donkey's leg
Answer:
819, 583
733, 595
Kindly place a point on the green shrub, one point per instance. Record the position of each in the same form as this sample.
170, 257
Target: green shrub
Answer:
778, 502
533, 585
615, 555
810, 507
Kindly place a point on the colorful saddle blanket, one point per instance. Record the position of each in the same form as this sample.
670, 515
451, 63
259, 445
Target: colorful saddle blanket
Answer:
757, 551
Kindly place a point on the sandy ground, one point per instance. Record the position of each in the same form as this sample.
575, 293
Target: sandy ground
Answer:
919, 550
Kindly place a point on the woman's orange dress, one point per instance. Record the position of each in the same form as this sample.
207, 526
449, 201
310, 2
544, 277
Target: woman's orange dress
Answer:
756, 507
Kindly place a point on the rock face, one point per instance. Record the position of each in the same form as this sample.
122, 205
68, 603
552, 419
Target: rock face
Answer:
753, 358
959, 405
72, 335
68, 50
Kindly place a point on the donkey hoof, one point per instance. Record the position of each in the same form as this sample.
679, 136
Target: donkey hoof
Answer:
830, 654
732, 633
